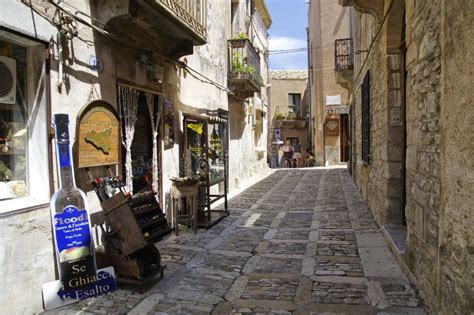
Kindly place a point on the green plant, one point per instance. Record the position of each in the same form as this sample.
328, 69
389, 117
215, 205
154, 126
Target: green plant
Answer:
237, 65
236, 61
248, 70
241, 35
290, 116
279, 116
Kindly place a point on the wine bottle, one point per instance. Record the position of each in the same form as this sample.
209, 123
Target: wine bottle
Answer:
70, 219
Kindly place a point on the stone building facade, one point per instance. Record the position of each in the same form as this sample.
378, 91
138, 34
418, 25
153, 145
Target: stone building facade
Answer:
411, 138
85, 51
288, 111
248, 107
328, 25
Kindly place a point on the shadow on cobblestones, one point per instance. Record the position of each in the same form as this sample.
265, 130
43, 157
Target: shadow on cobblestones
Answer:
299, 241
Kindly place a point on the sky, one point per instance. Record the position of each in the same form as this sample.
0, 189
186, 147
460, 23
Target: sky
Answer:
288, 31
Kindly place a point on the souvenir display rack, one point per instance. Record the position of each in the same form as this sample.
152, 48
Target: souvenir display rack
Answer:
130, 224
205, 148
143, 205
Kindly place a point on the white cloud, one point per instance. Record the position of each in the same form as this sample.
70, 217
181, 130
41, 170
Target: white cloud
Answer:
290, 61
281, 43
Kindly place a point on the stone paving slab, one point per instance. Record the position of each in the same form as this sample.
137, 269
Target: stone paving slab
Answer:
292, 234
298, 242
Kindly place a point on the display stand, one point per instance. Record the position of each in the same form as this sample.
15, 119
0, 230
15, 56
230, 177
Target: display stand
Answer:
205, 147
184, 206
207, 198
136, 260
129, 224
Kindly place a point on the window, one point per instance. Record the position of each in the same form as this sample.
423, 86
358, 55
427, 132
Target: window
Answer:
294, 102
366, 118
24, 171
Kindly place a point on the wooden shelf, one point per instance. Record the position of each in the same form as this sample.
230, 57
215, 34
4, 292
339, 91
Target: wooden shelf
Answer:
132, 202
144, 210
151, 222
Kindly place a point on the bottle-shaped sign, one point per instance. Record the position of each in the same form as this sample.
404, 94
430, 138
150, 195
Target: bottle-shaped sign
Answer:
71, 229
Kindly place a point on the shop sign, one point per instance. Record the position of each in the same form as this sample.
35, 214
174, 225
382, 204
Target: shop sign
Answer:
98, 136
395, 116
55, 296
332, 127
337, 109
277, 134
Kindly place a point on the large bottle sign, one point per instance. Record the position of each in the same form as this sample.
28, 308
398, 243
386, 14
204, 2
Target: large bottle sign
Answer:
74, 246
55, 296
73, 241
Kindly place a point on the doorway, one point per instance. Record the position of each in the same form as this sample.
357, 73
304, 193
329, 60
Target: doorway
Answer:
344, 139
139, 112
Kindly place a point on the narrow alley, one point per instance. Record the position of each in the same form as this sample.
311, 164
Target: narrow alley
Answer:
299, 241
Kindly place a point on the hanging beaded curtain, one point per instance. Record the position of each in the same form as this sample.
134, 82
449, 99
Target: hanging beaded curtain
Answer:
155, 117
129, 105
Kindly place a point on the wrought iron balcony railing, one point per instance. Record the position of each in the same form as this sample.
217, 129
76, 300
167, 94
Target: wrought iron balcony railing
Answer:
192, 13
344, 54
244, 67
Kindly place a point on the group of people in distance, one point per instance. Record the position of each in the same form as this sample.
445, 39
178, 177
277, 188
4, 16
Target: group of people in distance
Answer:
293, 156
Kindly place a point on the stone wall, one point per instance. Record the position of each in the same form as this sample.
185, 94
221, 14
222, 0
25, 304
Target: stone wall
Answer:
371, 177
456, 279
423, 143
439, 150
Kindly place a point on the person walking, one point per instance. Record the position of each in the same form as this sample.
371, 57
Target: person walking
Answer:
298, 150
287, 155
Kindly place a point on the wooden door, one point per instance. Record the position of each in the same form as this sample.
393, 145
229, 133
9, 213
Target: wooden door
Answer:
344, 125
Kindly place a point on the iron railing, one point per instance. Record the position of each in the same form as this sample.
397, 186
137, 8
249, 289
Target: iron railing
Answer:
190, 12
344, 54
244, 62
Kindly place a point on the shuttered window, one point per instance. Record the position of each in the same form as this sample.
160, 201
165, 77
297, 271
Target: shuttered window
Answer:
366, 118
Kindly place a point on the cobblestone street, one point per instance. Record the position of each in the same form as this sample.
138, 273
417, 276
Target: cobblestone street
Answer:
299, 241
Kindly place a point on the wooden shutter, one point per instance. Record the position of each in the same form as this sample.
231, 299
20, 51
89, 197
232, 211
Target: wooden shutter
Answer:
366, 118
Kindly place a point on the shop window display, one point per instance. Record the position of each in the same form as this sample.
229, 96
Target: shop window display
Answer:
204, 157
13, 121
216, 151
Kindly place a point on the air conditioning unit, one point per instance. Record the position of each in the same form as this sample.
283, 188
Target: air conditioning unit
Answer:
7, 80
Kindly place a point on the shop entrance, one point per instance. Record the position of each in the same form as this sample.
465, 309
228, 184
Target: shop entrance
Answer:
140, 113
142, 148
344, 139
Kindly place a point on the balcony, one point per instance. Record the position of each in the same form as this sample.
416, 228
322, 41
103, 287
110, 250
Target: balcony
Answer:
170, 27
190, 14
244, 68
373, 7
289, 121
344, 61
